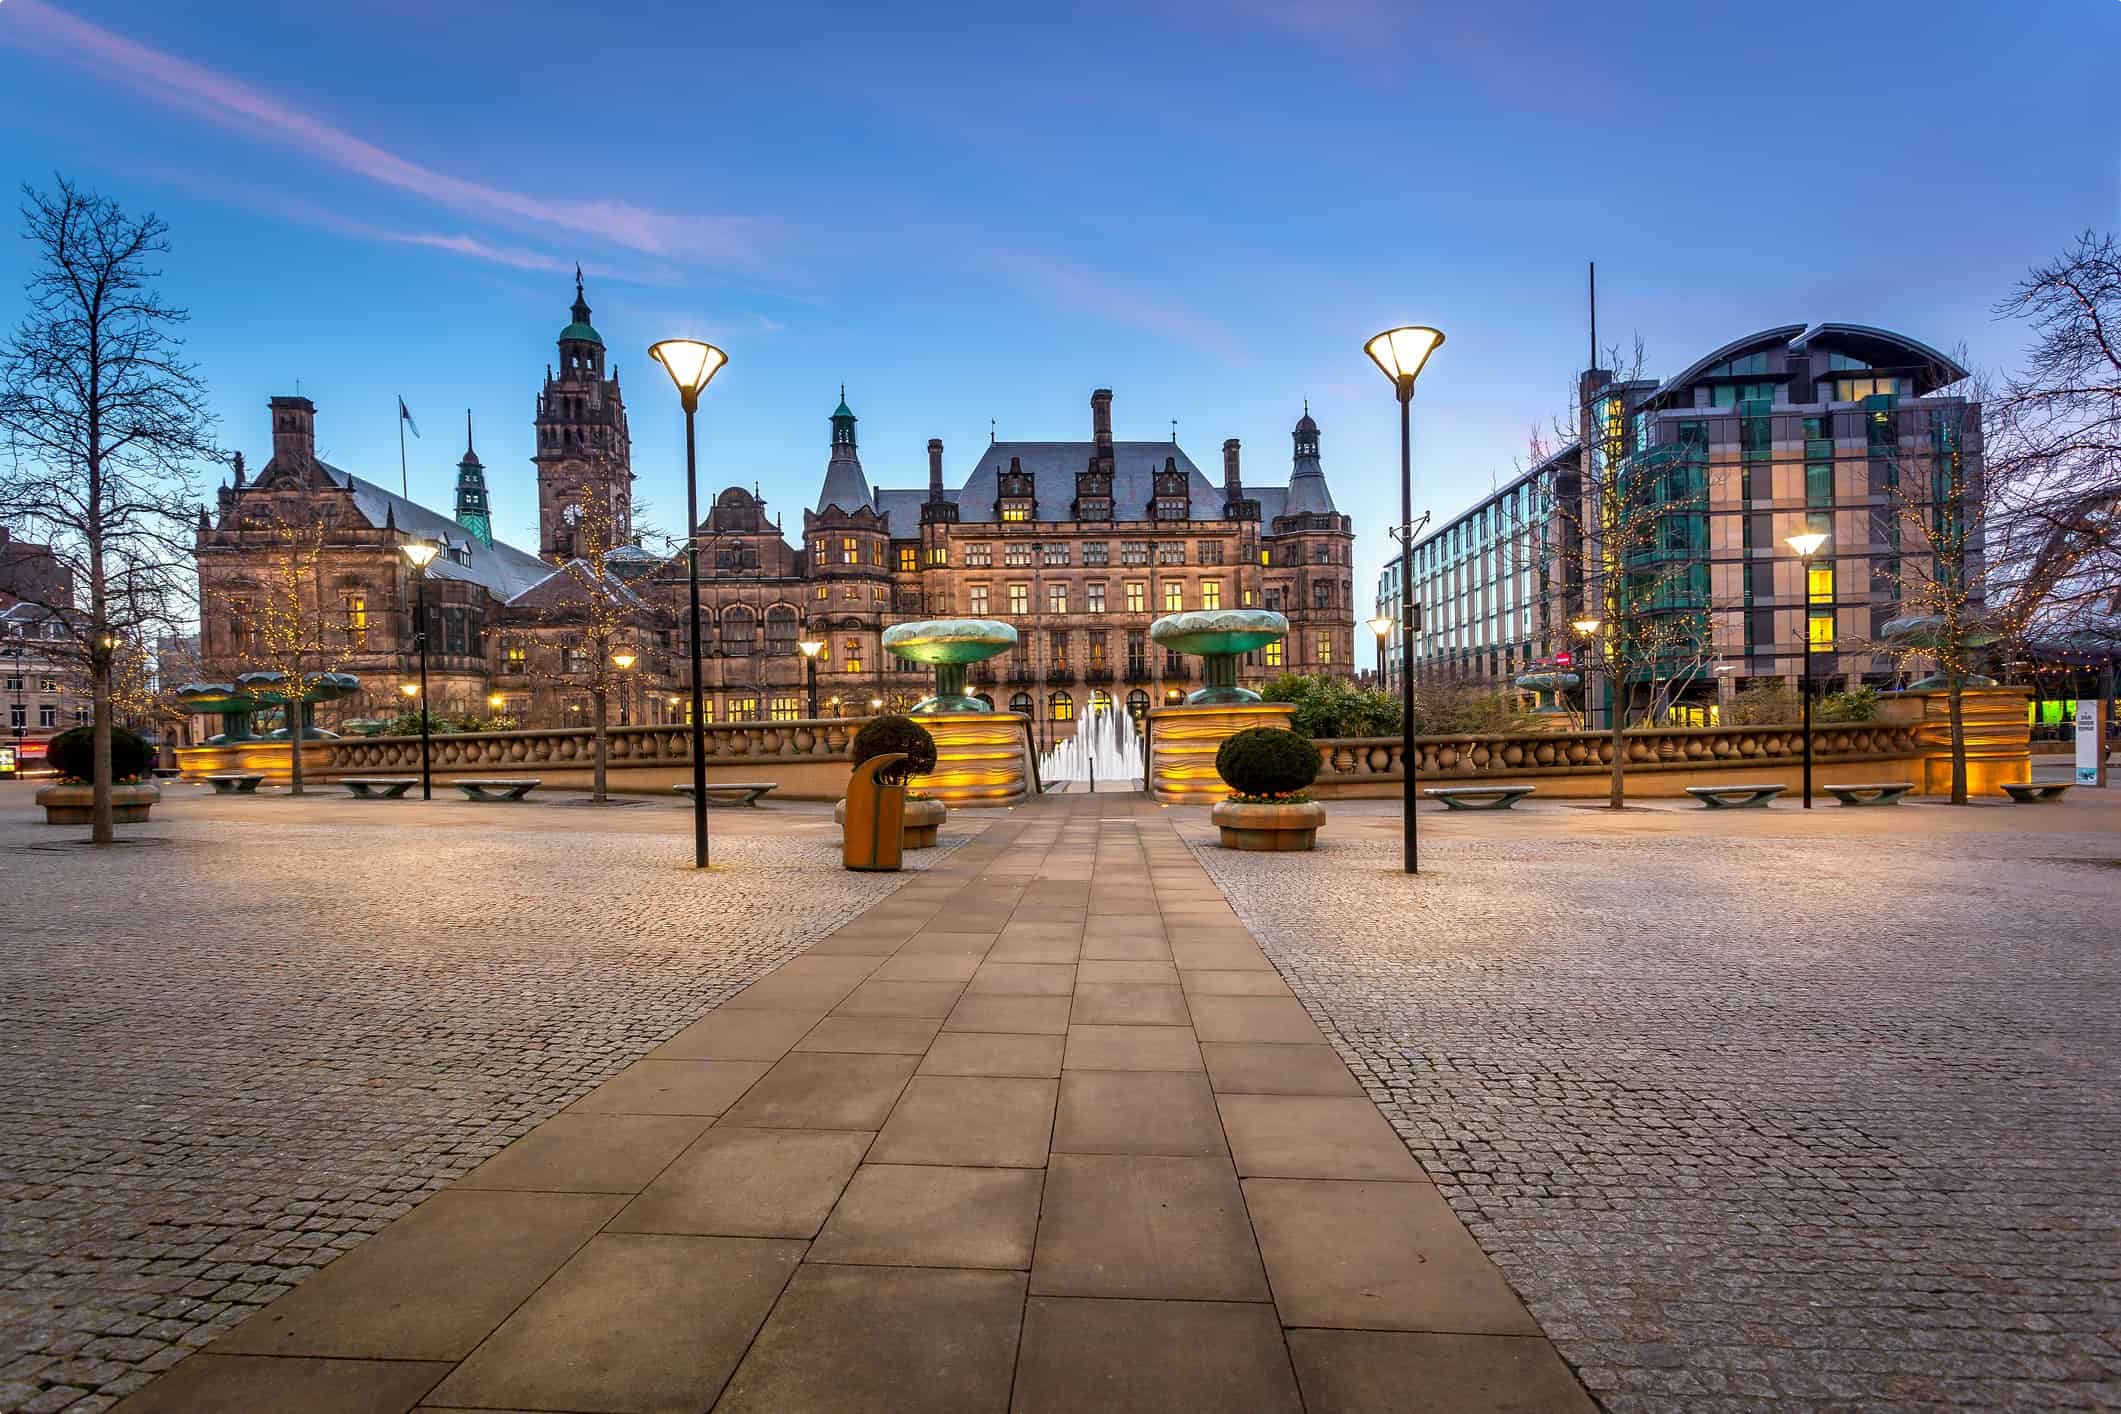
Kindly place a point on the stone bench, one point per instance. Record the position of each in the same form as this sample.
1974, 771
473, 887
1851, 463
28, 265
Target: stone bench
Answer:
733, 793
1872, 793
1479, 797
1745, 797
483, 788
232, 782
2036, 792
380, 787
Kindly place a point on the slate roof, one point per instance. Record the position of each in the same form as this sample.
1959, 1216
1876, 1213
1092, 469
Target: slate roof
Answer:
501, 569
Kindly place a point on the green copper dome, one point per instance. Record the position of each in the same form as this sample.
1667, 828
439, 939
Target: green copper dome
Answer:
581, 330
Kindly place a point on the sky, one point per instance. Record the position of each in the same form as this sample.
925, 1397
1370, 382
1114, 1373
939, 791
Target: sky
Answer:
967, 213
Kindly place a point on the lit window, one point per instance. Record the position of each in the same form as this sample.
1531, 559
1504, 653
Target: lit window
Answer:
1056, 598
1100, 700
743, 709
850, 550
938, 554
979, 599
1325, 648
787, 709
853, 655
908, 559
1174, 598
822, 591
1820, 626
1061, 707
1014, 514
1273, 651
1137, 597
357, 620
1250, 599
1211, 594
1819, 586
1019, 598
1266, 556
514, 660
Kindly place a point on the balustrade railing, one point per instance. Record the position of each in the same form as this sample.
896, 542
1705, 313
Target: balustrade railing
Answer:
824, 740
1348, 760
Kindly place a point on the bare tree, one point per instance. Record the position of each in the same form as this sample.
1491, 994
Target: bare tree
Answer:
601, 617
2054, 445
103, 419
280, 610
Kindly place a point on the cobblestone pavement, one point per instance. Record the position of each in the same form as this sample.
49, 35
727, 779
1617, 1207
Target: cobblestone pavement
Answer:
1750, 1120
229, 1056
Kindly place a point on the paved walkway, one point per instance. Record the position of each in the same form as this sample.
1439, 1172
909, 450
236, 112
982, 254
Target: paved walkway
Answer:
1043, 1131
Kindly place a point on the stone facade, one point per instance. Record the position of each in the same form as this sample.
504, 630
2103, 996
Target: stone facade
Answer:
1080, 545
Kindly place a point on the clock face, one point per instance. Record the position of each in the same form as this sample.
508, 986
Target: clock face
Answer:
573, 514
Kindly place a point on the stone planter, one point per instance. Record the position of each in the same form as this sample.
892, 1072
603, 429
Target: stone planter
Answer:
1269, 827
922, 819
75, 804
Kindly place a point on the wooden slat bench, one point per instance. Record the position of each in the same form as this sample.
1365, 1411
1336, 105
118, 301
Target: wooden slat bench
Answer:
2036, 792
1479, 797
483, 788
733, 793
233, 782
1871, 793
1746, 797
380, 787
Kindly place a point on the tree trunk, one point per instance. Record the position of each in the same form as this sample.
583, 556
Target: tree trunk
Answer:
294, 746
603, 698
1955, 695
100, 827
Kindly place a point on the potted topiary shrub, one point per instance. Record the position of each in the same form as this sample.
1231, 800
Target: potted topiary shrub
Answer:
72, 754
1268, 768
894, 733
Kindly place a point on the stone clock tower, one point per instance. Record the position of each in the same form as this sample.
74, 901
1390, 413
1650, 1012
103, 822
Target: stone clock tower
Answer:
584, 449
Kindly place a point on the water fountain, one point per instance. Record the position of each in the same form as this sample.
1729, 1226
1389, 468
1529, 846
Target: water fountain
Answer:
1183, 739
1105, 751
982, 756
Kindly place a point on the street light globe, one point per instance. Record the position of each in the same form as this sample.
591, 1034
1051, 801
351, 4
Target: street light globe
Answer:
1402, 352
495, 701
1807, 544
875, 702
623, 659
420, 552
811, 647
1381, 626
690, 364
410, 689
1587, 627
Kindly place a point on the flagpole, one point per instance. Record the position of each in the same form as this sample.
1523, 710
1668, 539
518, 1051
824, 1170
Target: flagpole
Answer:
404, 482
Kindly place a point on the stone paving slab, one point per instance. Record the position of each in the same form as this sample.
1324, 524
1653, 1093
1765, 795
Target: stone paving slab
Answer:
893, 1201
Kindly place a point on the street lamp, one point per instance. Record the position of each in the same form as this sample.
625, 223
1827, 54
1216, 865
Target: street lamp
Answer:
496, 701
1587, 630
1382, 627
811, 648
623, 659
1806, 546
1400, 354
420, 554
691, 366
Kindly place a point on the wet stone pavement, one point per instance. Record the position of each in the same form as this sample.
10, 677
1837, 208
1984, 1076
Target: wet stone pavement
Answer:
1755, 1121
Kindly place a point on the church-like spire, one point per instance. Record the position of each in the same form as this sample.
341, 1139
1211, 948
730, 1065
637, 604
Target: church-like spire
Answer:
1308, 494
472, 512
845, 485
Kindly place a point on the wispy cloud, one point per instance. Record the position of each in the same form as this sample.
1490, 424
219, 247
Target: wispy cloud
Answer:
1082, 289
43, 29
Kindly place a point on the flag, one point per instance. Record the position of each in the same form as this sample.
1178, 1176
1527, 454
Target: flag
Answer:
405, 416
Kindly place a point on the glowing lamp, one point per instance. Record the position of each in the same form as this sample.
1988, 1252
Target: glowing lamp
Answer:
1402, 352
1807, 544
420, 552
690, 364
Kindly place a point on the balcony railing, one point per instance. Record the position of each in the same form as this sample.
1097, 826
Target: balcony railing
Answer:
1059, 676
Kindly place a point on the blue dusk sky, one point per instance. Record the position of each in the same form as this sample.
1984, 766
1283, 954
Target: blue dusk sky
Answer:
974, 212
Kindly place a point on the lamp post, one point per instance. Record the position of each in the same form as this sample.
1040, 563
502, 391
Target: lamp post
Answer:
1382, 627
1806, 546
811, 648
623, 659
1587, 631
420, 554
1400, 354
691, 366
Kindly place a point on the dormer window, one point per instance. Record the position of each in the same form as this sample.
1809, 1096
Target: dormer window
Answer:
1016, 511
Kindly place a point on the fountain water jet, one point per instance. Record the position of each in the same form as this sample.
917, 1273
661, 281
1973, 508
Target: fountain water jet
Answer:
1105, 750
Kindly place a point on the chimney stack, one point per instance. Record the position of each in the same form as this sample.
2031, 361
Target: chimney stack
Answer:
1101, 420
1233, 482
294, 430
935, 468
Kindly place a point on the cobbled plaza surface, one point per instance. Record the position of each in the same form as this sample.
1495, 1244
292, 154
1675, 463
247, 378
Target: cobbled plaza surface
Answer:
1751, 1119
230, 1055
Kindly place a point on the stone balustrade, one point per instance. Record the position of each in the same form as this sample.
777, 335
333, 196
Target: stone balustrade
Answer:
829, 739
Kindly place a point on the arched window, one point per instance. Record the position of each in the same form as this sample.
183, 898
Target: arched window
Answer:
1138, 705
1100, 700
739, 630
1021, 703
986, 697
781, 629
1061, 707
